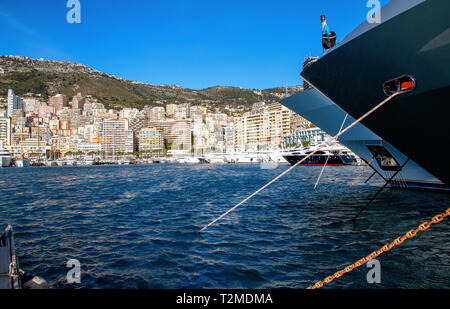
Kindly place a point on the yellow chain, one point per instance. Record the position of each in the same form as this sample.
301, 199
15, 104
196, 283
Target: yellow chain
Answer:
411, 234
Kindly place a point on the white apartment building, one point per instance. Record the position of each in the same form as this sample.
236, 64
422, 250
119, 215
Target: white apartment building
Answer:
116, 138
5, 130
150, 139
265, 126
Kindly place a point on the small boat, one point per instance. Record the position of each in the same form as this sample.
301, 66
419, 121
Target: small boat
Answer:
244, 158
124, 162
189, 160
61, 162
50, 163
22, 163
215, 158
88, 161
71, 162
37, 164
204, 160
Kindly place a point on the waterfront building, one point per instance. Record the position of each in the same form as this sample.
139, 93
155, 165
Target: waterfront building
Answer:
151, 139
5, 130
279, 124
116, 137
311, 135
176, 133
31, 147
264, 127
87, 148
179, 135
228, 137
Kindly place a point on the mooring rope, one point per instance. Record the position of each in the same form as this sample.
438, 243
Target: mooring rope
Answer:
333, 140
329, 155
362, 173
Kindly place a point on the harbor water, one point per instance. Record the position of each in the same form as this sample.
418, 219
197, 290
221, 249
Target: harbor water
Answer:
136, 227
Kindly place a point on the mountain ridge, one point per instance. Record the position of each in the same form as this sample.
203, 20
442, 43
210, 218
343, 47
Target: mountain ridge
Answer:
47, 77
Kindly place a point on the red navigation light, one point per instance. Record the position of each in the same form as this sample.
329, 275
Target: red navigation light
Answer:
405, 83
407, 86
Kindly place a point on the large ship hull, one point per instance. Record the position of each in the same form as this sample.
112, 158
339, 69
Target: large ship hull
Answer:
324, 113
414, 39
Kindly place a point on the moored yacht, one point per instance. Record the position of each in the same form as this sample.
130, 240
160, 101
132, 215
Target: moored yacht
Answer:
61, 162
21, 162
328, 156
88, 161
384, 158
71, 162
410, 51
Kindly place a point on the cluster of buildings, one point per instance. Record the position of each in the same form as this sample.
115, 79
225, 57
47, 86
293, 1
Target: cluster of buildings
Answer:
63, 126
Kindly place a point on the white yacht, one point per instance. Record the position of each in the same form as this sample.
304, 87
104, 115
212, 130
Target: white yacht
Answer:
71, 162
215, 158
5, 156
244, 158
50, 163
88, 161
189, 160
124, 162
22, 163
61, 162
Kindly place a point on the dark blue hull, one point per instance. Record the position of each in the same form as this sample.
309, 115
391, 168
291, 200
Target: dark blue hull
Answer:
415, 42
315, 160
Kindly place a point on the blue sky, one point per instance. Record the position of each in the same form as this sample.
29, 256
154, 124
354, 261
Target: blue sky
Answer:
192, 43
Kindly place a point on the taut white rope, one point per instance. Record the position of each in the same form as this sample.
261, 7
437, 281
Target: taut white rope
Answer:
334, 139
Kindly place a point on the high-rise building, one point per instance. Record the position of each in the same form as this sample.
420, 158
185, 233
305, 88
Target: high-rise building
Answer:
265, 126
150, 139
177, 133
116, 137
157, 113
14, 103
5, 130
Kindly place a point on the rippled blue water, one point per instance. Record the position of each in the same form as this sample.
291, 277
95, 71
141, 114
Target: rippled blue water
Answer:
136, 227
